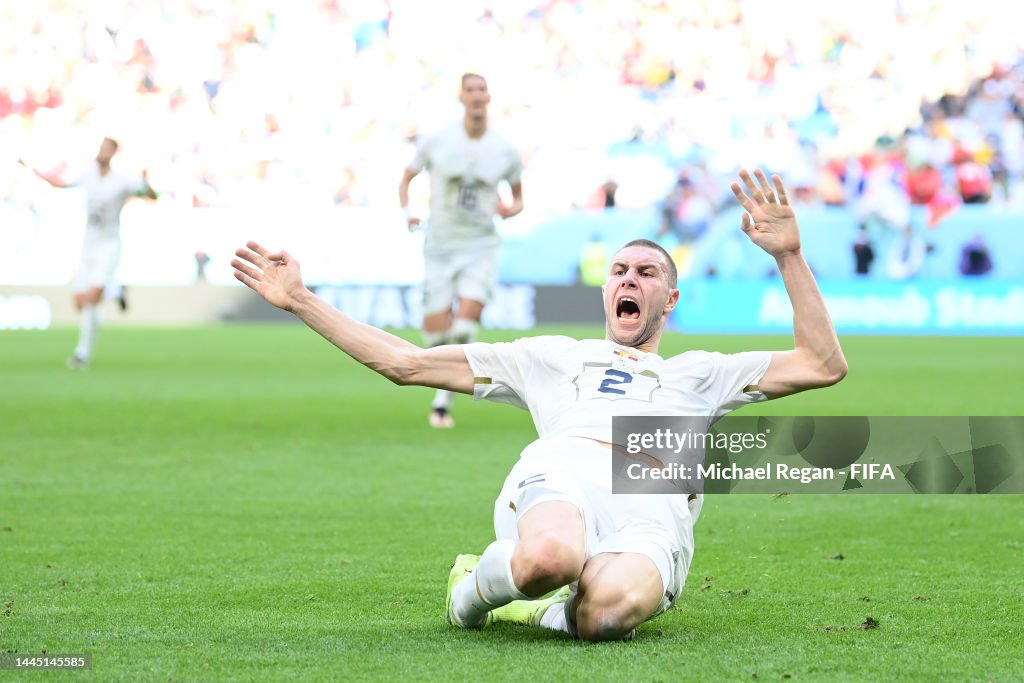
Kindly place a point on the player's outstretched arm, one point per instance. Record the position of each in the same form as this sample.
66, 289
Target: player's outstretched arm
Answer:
278, 279
146, 190
60, 185
817, 359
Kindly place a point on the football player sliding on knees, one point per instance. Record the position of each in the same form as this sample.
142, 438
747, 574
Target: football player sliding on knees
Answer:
569, 555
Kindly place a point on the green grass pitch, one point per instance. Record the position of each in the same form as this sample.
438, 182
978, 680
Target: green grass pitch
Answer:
246, 503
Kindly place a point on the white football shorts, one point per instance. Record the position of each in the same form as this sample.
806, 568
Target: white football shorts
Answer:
451, 274
579, 471
100, 257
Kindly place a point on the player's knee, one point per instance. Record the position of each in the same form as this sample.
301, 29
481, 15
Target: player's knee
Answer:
543, 563
607, 617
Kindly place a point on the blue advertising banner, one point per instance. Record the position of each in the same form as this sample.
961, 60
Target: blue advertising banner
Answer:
963, 306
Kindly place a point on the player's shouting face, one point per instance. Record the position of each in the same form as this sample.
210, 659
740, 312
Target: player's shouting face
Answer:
638, 296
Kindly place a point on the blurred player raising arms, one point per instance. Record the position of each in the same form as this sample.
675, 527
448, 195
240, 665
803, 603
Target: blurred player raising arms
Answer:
615, 560
466, 160
106, 192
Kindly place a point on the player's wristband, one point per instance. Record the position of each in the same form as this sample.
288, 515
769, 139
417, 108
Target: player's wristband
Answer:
407, 212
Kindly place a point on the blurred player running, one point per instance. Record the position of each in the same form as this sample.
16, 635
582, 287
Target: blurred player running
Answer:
106, 192
466, 161
615, 560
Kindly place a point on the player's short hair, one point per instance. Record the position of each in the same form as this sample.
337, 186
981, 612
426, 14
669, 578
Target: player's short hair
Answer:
673, 276
472, 74
115, 143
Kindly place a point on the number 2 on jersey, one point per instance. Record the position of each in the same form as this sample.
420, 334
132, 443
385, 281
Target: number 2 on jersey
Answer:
599, 381
614, 377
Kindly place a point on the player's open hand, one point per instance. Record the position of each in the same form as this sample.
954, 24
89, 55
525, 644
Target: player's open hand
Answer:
276, 277
769, 220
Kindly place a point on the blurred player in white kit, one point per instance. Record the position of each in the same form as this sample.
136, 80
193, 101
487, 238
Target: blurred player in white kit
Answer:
106, 192
466, 161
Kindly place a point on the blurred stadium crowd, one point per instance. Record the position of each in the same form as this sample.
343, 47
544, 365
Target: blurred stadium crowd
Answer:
878, 103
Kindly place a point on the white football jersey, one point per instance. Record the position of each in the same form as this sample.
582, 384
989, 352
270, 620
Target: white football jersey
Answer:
464, 177
105, 197
574, 388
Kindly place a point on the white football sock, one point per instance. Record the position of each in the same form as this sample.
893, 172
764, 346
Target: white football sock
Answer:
488, 587
556, 617
464, 331
432, 339
89, 328
442, 399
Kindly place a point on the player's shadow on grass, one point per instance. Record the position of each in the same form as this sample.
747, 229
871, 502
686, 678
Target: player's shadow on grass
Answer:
516, 633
